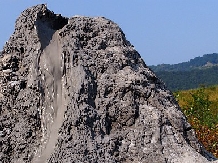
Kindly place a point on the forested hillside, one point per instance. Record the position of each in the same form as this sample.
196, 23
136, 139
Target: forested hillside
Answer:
191, 74
208, 60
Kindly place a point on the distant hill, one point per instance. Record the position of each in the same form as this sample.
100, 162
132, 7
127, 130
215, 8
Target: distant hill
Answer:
208, 60
191, 74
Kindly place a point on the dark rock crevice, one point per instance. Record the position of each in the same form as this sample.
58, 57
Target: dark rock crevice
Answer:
47, 24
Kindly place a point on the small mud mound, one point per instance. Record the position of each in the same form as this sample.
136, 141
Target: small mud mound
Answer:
75, 90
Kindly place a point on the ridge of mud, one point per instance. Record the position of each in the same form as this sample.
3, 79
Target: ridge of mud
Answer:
75, 90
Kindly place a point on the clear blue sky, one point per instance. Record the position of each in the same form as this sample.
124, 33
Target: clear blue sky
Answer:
162, 31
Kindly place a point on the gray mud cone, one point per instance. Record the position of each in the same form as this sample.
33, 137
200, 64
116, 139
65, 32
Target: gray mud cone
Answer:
75, 90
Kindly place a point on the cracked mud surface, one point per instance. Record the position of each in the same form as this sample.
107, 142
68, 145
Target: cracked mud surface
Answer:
75, 90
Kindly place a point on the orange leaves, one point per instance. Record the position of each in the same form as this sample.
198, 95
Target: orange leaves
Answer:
209, 138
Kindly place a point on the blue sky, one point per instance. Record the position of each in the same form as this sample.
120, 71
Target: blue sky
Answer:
162, 31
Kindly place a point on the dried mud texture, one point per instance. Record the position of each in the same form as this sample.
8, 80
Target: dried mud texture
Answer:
75, 90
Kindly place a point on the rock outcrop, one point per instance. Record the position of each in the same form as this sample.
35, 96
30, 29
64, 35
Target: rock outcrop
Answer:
75, 90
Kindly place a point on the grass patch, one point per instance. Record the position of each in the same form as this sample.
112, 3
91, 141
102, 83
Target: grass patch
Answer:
201, 108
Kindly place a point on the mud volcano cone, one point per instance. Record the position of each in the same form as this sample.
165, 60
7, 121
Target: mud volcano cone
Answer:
75, 90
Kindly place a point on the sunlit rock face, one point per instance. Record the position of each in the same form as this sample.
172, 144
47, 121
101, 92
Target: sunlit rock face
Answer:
75, 90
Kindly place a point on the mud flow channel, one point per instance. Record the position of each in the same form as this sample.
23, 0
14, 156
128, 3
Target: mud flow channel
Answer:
53, 110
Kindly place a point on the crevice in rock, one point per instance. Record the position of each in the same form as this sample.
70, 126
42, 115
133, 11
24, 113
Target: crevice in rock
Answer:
53, 21
47, 24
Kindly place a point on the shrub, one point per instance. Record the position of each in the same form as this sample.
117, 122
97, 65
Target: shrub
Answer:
201, 108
